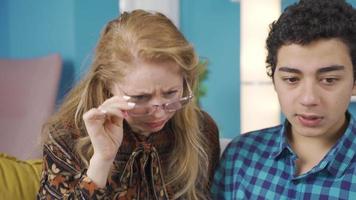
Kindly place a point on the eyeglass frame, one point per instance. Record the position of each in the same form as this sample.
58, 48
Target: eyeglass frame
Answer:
163, 106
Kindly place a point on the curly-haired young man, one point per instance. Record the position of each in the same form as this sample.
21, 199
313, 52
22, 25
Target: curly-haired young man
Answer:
312, 155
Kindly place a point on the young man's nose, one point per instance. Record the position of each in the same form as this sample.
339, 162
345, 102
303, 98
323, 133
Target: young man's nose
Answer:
309, 94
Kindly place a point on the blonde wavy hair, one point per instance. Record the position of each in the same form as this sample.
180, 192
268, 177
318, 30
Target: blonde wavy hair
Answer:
150, 37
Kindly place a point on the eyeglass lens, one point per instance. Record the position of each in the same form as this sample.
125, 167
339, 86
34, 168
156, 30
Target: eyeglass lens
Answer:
170, 107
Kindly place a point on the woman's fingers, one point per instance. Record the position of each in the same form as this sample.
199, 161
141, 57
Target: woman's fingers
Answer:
94, 114
115, 106
116, 109
112, 111
118, 101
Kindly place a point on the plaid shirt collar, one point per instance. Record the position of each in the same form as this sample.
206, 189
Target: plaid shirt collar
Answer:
336, 160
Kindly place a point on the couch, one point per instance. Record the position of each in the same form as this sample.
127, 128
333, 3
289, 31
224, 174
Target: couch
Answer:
28, 89
19, 179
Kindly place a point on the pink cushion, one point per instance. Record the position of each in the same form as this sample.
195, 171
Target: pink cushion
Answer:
28, 90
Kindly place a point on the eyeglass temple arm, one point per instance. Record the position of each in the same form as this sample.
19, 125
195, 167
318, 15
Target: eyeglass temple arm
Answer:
190, 95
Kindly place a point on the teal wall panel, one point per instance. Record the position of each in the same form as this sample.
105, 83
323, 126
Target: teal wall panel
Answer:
41, 28
285, 3
4, 31
71, 28
90, 17
213, 27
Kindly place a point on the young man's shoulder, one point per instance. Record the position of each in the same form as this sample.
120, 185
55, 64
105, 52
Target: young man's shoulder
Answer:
255, 142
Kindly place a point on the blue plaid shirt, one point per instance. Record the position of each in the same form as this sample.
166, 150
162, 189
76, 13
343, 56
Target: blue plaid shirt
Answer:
260, 165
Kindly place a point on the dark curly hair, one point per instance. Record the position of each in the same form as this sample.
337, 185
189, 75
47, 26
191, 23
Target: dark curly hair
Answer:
311, 20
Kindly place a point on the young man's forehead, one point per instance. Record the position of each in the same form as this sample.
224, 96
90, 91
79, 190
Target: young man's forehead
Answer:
321, 53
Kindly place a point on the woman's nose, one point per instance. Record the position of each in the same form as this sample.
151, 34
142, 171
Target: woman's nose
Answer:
158, 104
159, 111
158, 101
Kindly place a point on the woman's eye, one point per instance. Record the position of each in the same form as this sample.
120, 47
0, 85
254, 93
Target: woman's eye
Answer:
140, 98
170, 93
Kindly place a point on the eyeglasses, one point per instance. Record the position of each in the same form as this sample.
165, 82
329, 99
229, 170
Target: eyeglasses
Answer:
142, 110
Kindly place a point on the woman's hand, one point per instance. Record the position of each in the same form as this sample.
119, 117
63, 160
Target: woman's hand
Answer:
104, 126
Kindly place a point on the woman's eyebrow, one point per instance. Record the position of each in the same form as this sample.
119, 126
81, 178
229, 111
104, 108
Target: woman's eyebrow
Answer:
176, 87
139, 93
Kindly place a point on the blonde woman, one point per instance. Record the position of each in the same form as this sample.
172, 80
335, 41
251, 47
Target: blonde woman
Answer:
131, 128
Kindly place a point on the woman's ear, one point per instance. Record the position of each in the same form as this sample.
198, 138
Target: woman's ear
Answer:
354, 89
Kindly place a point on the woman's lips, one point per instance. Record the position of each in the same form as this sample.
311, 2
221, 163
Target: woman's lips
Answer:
309, 120
155, 124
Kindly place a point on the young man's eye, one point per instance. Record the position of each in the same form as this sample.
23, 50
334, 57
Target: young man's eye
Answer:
290, 80
329, 81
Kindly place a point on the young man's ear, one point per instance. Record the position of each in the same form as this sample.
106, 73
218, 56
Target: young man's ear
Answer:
274, 86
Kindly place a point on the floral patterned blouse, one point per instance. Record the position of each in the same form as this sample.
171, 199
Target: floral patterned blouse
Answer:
137, 172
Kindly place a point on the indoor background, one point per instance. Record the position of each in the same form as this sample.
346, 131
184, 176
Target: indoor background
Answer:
35, 28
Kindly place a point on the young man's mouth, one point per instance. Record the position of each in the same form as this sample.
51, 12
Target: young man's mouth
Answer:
309, 120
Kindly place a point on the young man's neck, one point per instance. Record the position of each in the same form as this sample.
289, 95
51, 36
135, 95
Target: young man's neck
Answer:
311, 150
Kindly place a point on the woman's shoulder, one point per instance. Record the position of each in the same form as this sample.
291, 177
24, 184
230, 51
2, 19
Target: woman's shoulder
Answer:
62, 135
209, 128
208, 122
